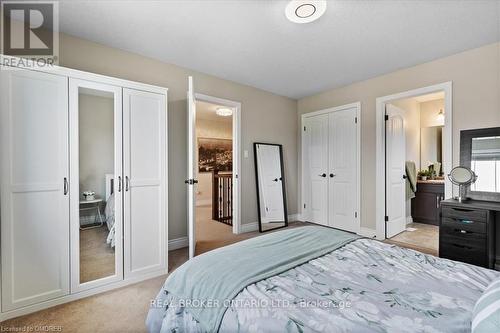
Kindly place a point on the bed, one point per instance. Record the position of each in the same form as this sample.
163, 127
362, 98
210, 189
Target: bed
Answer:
362, 285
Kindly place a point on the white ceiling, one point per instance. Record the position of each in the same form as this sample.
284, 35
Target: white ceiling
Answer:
205, 110
251, 42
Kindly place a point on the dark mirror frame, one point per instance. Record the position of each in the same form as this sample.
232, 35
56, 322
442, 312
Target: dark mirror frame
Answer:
465, 158
282, 184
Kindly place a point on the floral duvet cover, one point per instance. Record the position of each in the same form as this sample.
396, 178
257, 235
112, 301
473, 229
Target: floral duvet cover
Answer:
365, 286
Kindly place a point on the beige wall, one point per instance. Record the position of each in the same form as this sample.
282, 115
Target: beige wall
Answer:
265, 117
429, 111
96, 131
475, 76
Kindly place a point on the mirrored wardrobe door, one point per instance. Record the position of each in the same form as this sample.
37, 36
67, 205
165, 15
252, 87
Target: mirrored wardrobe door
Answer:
96, 195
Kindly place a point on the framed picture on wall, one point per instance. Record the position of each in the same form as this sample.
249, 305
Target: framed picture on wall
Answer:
215, 154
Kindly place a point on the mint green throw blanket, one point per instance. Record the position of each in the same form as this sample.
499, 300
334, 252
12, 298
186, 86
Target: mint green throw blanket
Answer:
214, 278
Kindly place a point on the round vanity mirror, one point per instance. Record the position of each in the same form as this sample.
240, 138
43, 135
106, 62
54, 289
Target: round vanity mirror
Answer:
462, 176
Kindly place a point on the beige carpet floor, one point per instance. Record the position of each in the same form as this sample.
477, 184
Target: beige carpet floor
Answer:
97, 258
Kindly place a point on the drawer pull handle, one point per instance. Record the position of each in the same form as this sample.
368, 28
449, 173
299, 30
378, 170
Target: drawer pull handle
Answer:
462, 246
462, 209
462, 231
465, 221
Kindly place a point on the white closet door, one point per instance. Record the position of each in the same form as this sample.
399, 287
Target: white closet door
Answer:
191, 165
34, 198
144, 153
343, 187
395, 169
317, 152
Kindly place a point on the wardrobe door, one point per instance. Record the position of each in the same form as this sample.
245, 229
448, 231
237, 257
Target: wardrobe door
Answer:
144, 133
96, 184
342, 175
317, 168
34, 185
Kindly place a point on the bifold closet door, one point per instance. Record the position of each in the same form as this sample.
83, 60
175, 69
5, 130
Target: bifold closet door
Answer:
34, 187
342, 174
144, 134
317, 164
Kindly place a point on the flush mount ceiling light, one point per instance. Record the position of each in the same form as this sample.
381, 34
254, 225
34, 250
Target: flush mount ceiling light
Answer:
224, 112
305, 11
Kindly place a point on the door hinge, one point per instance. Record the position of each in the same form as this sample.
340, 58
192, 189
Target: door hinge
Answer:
355, 120
304, 206
304, 128
386, 218
386, 117
356, 214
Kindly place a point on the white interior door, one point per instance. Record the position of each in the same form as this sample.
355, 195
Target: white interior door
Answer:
343, 165
317, 154
271, 187
79, 91
395, 170
191, 172
34, 187
144, 169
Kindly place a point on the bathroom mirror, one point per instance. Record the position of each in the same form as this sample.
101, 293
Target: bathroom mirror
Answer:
270, 179
480, 151
431, 147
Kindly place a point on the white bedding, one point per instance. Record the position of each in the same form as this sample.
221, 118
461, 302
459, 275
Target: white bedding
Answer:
110, 219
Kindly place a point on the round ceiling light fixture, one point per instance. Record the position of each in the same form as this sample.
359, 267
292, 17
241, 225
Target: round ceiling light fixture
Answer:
224, 112
305, 11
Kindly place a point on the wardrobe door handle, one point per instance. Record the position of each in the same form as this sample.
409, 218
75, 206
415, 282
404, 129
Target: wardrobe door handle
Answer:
332, 175
323, 175
119, 183
66, 187
126, 183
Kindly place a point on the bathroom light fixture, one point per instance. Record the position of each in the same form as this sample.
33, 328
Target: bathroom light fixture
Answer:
305, 11
440, 115
224, 112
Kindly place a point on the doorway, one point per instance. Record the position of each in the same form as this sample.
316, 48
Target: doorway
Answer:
416, 156
213, 171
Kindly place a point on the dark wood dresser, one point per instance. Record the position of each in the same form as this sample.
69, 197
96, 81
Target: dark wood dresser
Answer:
426, 205
467, 231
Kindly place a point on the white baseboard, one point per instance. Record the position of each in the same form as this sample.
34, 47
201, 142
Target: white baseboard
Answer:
409, 219
293, 217
367, 232
249, 227
178, 243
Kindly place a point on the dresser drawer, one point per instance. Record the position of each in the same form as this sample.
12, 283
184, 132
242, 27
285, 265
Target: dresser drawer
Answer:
469, 241
469, 226
465, 214
463, 253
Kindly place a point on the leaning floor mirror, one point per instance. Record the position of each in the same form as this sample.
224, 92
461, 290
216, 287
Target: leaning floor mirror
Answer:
271, 194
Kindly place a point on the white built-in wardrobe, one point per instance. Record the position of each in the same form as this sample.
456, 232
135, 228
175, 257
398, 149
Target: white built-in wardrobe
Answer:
331, 167
41, 192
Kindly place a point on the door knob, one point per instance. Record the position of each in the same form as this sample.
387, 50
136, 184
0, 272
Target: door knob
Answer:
275, 179
332, 175
404, 177
323, 175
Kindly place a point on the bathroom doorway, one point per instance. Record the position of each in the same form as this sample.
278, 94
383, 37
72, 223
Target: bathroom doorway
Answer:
417, 156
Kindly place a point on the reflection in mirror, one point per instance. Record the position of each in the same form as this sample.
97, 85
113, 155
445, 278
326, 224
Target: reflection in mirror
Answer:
485, 162
96, 169
271, 197
431, 147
